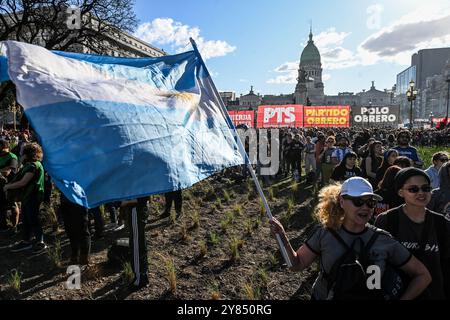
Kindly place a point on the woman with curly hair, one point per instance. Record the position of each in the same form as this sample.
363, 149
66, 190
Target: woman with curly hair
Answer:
29, 182
343, 213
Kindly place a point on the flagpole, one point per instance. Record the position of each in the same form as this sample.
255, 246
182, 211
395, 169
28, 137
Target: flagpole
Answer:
247, 160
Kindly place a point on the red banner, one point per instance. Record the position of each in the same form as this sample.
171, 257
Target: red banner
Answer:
276, 116
243, 117
327, 116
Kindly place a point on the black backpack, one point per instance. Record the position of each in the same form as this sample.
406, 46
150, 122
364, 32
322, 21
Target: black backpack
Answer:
347, 279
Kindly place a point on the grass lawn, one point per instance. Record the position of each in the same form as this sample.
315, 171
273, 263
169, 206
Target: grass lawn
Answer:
426, 154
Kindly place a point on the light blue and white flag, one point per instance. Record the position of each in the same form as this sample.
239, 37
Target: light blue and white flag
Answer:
122, 128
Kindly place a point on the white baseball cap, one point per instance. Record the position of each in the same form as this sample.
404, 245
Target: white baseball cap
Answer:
358, 187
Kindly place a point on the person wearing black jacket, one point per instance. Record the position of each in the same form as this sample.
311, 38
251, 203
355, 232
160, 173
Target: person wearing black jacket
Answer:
425, 233
295, 154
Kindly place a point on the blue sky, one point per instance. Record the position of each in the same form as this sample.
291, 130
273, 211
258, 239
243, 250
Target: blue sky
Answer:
259, 43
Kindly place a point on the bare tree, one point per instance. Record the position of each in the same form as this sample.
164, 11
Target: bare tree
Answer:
44, 22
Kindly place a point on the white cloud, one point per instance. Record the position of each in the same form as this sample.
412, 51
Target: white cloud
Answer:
166, 31
333, 55
330, 37
243, 80
425, 27
290, 70
286, 79
326, 76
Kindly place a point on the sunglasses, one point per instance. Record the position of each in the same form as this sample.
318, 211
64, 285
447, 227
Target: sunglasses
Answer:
359, 202
416, 189
443, 160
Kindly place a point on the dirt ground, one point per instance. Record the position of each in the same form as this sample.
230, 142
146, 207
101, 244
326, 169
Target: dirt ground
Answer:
217, 212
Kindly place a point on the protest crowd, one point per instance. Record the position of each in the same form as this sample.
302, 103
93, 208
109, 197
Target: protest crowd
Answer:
373, 192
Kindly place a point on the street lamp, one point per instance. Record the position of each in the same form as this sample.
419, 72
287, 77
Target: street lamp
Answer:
431, 119
411, 93
448, 93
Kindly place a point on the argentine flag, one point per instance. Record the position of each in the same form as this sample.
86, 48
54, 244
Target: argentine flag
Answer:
122, 128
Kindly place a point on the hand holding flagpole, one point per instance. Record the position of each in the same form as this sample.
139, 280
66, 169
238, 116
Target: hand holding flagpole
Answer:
245, 156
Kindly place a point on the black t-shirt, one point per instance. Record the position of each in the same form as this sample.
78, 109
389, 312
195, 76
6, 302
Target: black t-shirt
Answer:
410, 235
342, 173
295, 149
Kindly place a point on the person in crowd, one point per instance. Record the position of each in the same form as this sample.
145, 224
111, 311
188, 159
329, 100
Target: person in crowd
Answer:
390, 141
372, 162
76, 225
177, 198
341, 150
326, 159
439, 158
386, 190
98, 228
29, 182
425, 233
310, 159
8, 166
346, 169
440, 197
295, 156
137, 212
24, 139
405, 149
343, 213
320, 145
403, 162
388, 160
364, 151
286, 148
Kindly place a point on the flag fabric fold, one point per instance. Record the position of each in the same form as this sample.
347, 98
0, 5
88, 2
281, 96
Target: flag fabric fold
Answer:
121, 128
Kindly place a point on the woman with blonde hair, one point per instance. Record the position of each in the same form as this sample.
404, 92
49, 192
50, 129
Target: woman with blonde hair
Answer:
347, 244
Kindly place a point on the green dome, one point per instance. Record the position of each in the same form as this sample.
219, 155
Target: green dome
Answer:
310, 54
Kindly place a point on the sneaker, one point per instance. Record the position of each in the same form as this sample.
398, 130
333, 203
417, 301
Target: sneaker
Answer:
22, 246
143, 283
39, 247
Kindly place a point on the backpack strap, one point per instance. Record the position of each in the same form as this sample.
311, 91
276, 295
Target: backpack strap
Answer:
339, 238
365, 254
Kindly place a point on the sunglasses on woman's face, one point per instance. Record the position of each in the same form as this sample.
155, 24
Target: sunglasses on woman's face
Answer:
416, 189
359, 202
444, 160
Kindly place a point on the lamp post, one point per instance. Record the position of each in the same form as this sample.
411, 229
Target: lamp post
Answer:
411, 94
448, 93
431, 119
